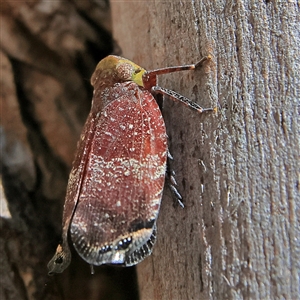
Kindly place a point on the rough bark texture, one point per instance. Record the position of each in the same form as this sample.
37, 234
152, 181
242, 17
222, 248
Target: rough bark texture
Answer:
238, 170
49, 50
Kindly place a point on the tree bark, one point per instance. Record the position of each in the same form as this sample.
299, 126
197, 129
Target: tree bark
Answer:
49, 50
238, 170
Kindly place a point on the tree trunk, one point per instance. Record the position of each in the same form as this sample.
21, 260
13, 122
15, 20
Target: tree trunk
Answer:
49, 50
238, 170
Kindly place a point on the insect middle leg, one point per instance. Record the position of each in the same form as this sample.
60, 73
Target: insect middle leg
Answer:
177, 97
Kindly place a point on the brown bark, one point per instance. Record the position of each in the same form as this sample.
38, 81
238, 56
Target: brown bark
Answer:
238, 171
49, 50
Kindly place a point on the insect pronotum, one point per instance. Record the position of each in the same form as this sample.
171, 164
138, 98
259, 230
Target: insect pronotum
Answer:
116, 183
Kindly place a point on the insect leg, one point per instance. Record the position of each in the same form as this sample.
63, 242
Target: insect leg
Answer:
150, 77
177, 97
168, 70
172, 183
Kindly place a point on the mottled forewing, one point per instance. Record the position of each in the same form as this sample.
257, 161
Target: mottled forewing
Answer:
124, 175
78, 170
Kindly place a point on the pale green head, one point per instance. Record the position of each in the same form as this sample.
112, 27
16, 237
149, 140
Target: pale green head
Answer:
118, 69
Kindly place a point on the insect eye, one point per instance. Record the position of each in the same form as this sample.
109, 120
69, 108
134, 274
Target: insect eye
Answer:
137, 71
59, 260
124, 71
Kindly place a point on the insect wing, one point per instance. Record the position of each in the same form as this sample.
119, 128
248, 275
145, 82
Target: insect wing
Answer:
123, 182
77, 172
62, 256
140, 253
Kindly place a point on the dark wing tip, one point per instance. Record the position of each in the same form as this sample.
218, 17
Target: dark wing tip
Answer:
60, 261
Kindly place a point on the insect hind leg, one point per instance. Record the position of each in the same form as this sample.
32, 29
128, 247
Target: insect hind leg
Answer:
171, 181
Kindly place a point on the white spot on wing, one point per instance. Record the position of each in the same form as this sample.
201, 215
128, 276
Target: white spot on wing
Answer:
127, 173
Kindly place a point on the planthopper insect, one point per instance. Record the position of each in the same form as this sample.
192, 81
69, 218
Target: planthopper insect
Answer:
116, 183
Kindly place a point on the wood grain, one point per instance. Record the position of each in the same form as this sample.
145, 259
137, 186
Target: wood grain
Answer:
238, 171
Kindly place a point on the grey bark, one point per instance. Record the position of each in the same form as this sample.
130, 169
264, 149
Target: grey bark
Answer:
238, 170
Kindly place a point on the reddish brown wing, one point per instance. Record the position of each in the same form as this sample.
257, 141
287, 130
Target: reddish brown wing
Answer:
123, 180
77, 173
62, 256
